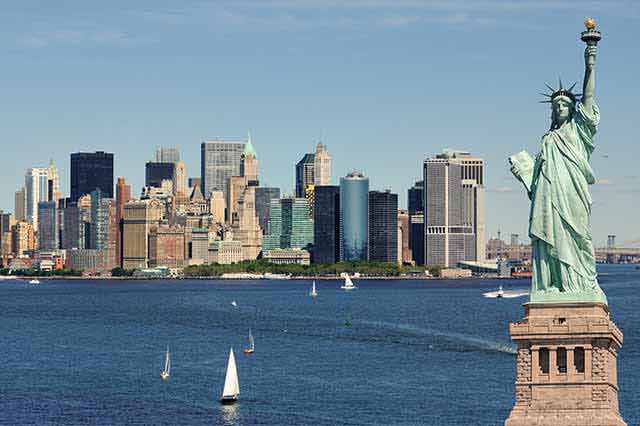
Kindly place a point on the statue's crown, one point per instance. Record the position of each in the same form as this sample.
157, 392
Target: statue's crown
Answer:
561, 92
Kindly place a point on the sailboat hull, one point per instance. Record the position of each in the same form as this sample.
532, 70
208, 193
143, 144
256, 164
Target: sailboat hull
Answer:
228, 400
248, 351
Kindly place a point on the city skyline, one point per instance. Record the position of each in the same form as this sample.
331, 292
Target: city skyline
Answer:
378, 94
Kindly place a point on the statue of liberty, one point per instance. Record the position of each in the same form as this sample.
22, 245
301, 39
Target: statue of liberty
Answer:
557, 183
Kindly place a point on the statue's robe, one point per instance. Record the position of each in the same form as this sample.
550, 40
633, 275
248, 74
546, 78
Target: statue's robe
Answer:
563, 255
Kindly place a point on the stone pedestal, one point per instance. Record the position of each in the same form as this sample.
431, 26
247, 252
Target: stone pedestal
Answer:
566, 366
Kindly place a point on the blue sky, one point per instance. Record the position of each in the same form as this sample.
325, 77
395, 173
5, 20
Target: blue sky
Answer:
385, 82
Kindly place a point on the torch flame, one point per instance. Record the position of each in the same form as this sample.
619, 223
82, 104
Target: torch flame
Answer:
590, 24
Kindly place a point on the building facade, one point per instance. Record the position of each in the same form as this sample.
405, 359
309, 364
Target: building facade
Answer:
90, 171
219, 160
416, 222
322, 166
305, 170
289, 225
155, 173
139, 218
166, 246
354, 216
326, 224
264, 195
48, 226
37, 189
123, 196
383, 226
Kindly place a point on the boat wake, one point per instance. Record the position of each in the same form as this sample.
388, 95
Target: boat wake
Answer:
509, 294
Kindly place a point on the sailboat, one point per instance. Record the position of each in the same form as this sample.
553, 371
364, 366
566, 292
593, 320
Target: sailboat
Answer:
231, 387
500, 293
167, 366
313, 292
251, 347
348, 284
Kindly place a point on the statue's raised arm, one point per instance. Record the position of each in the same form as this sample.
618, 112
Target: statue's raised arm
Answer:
591, 37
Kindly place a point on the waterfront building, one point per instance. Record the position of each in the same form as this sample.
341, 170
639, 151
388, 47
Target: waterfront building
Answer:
292, 256
322, 166
23, 238
404, 251
90, 171
305, 169
219, 160
263, 196
47, 226
167, 155
225, 252
104, 227
383, 226
90, 261
474, 199
198, 248
289, 225
326, 224
139, 218
166, 246
6, 223
450, 235
20, 205
155, 173
123, 196
354, 215
416, 222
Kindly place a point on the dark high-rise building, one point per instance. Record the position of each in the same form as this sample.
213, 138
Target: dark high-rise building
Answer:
354, 217
155, 173
416, 198
326, 224
416, 221
47, 225
383, 226
305, 170
264, 196
91, 171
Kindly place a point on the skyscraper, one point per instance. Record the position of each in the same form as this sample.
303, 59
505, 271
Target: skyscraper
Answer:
20, 205
167, 155
155, 173
450, 209
123, 196
326, 224
404, 252
383, 226
322, 166
416, 222
36, 183
289, 225
219, 160
47, 226
264, 195
90, 171
246, 228
139, 218
354, 215
305, 170
249, 164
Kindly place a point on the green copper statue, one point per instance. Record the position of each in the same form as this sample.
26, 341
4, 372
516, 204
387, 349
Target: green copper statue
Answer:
557, 182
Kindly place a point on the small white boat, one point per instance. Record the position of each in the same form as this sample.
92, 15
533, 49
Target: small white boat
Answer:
252, 347
348, 284
271, 276
231, 388
500, 293
234, 303
167, 366
313, 292
34, 281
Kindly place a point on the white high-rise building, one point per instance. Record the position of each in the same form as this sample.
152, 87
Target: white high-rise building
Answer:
40, 184
322, 166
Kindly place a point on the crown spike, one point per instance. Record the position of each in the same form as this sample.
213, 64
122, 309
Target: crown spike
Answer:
545, 94
560, 83
572, 86
550, 88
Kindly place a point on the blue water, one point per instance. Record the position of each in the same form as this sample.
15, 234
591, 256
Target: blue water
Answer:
418, 353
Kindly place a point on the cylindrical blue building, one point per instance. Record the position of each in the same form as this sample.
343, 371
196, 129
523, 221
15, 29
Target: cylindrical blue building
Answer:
354, 215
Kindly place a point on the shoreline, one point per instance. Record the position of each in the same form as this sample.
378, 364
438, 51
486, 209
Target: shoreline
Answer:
301, 278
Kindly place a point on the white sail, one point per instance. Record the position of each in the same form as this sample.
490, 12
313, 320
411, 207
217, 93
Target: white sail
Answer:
167, 363
313, 290
231, 386
251, 343
348, 284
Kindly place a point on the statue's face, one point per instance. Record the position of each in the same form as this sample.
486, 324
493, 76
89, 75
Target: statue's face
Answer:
562, 109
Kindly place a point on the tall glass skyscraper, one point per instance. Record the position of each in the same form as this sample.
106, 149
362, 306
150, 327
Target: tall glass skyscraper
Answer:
90, 171
289, 225
354, 209
219, 160
326, 224
264, 195
383, 226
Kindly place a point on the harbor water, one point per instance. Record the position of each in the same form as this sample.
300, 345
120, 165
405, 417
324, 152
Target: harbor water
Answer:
392, 352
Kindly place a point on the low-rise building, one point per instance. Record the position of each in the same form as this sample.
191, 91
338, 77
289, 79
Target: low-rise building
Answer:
288, 256
225, 252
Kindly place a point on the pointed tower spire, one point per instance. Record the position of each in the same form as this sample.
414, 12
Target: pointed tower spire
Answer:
248, 147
